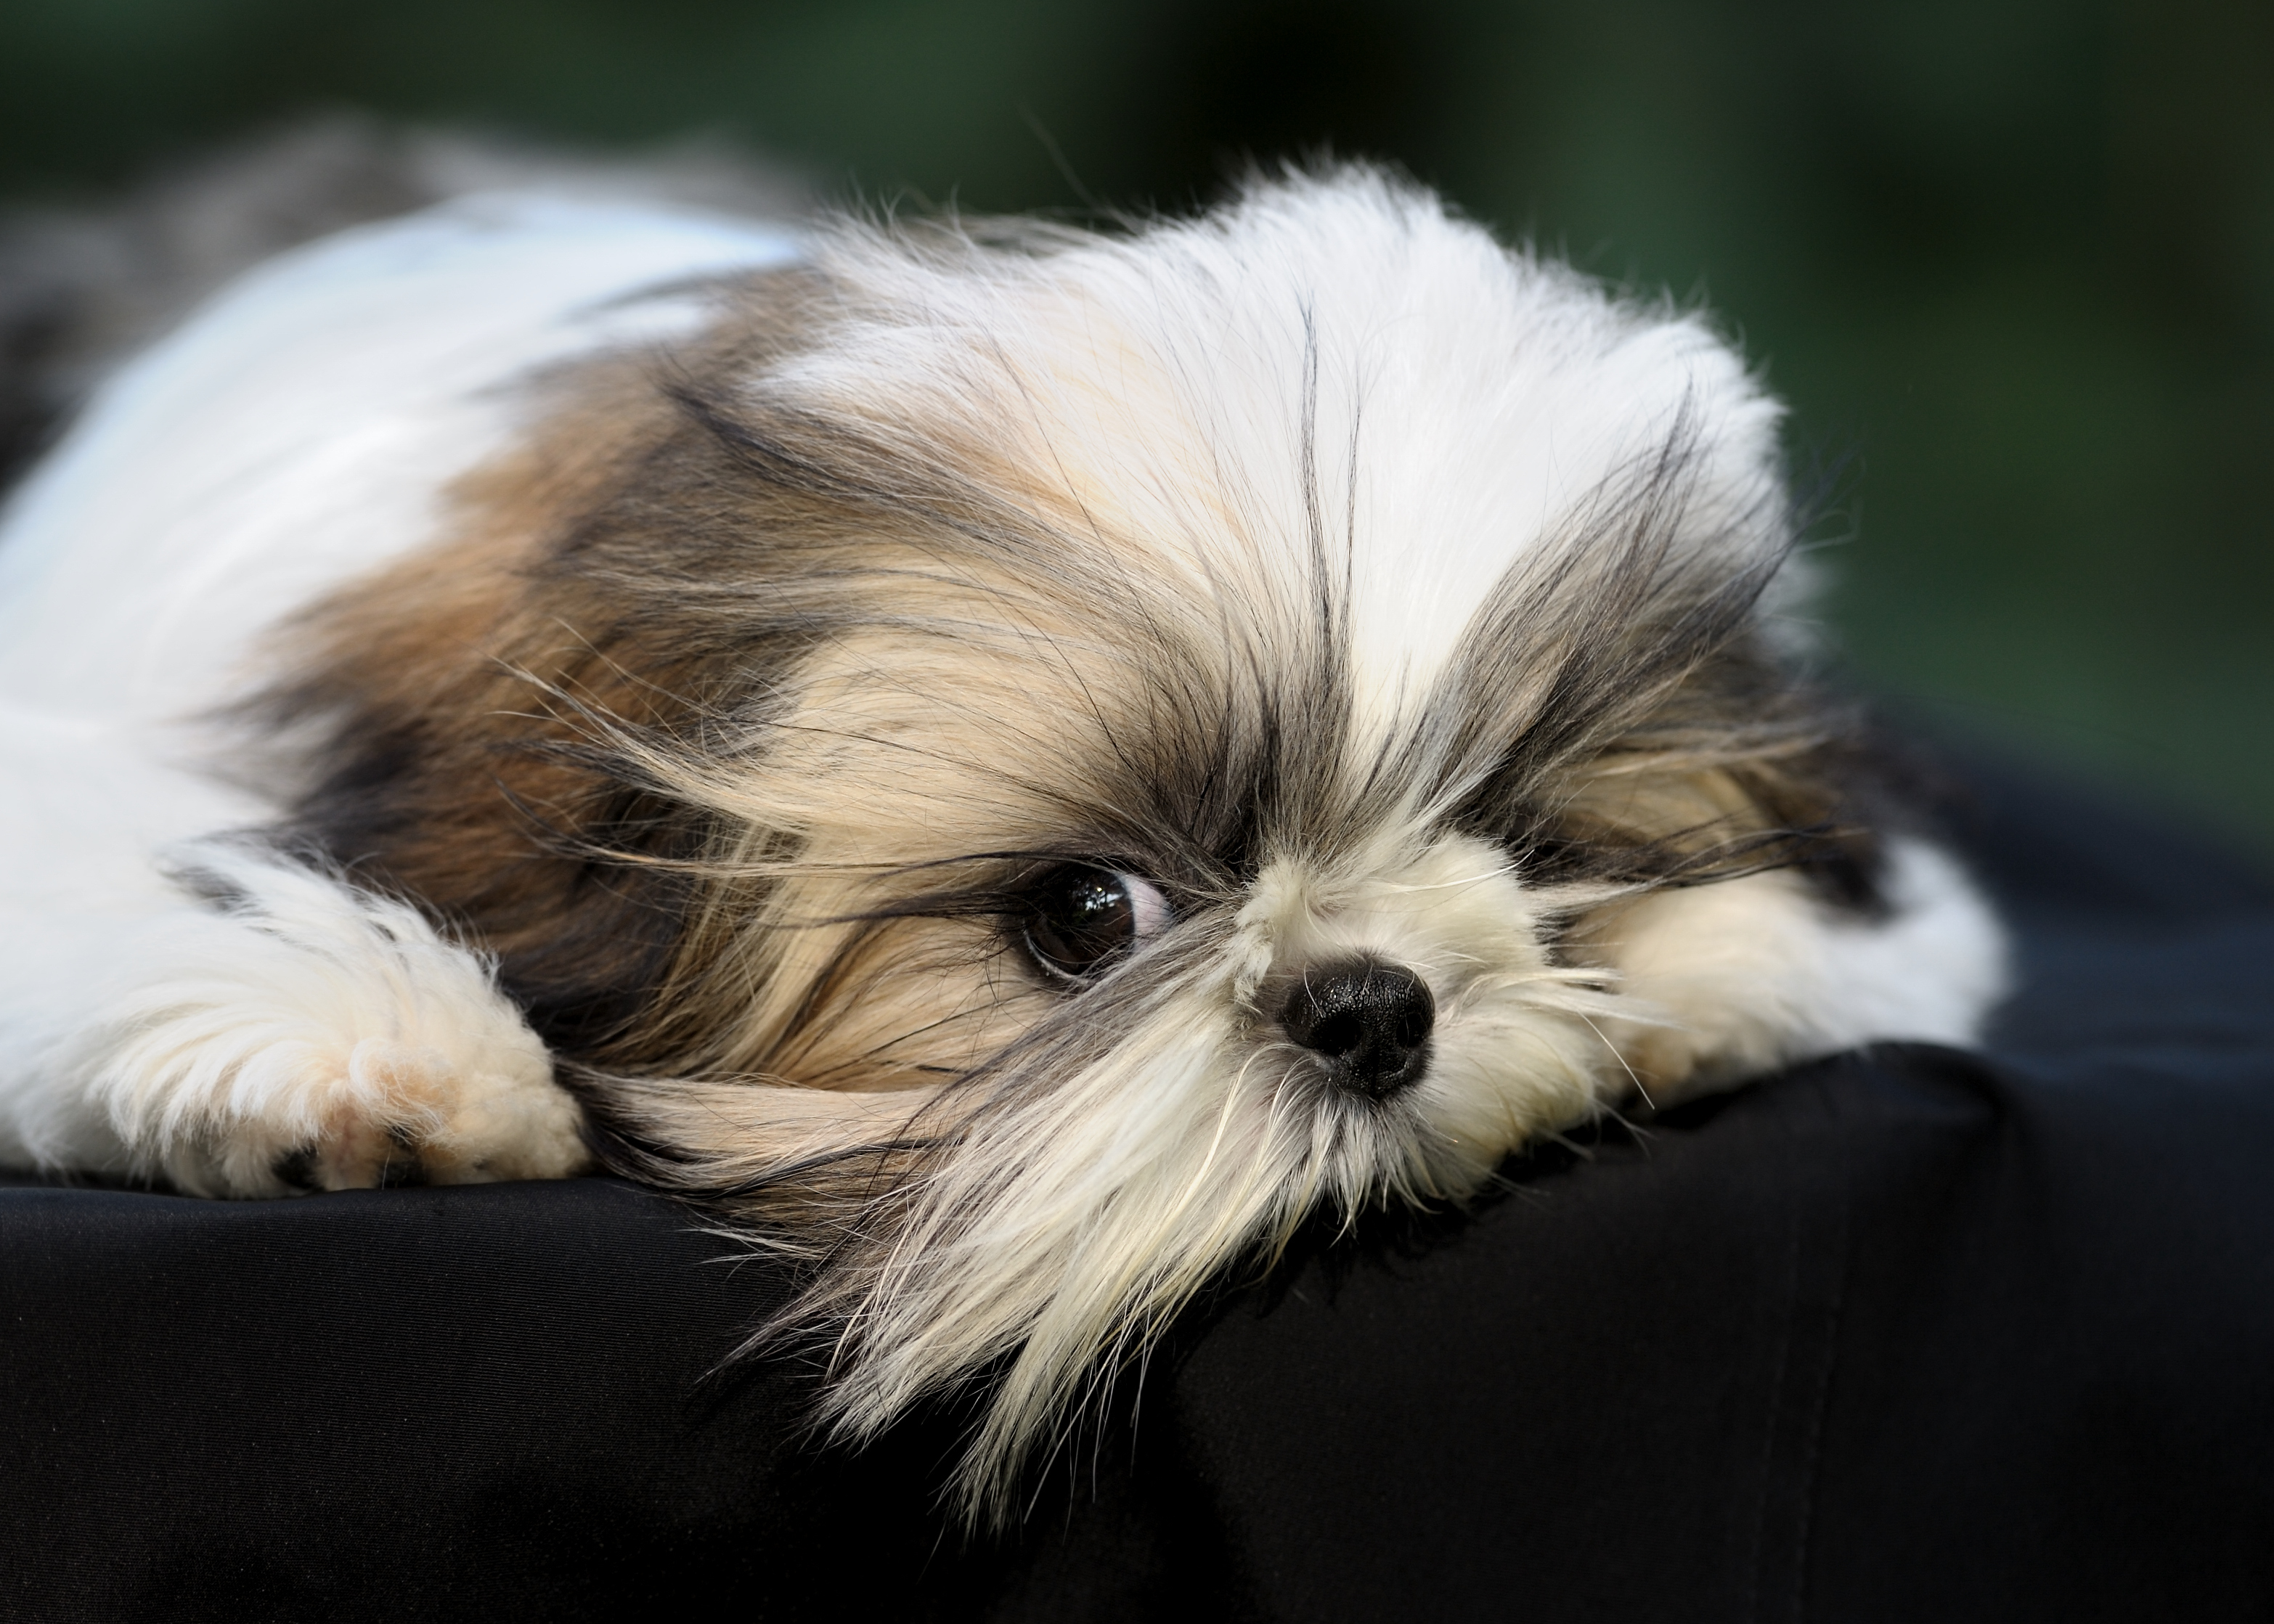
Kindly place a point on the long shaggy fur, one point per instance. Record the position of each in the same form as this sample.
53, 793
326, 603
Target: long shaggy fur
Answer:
777, 627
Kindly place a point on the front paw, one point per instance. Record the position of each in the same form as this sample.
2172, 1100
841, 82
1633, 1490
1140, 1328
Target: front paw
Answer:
390, 1114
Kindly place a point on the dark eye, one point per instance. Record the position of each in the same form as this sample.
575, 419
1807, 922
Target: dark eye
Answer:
1079, 920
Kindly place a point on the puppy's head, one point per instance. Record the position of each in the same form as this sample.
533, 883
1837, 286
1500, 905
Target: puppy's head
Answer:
1024, 766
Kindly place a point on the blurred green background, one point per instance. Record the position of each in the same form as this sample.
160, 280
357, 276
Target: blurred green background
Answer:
2012, 261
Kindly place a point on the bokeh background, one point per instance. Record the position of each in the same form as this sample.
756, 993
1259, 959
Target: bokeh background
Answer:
2012, 261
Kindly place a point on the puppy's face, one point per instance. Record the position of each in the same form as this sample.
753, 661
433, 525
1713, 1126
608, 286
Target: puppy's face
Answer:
1025, 770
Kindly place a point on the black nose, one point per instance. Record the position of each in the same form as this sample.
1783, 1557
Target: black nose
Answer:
1370, 1020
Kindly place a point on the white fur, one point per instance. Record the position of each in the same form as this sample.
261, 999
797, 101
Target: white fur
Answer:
303, 428
1468, 401
300, 431
1755, 972
302, 1017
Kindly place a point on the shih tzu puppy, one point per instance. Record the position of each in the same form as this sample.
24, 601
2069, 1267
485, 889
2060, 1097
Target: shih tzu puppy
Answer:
1015, 764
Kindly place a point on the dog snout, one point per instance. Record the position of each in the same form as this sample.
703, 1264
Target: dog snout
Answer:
1371, 1020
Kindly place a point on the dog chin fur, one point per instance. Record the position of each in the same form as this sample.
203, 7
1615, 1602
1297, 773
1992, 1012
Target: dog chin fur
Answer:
543, 682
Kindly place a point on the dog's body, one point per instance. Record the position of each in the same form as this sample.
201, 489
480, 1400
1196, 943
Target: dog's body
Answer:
1017, 768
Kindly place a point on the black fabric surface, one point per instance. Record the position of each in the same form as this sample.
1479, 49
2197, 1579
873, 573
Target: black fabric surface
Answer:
1909, 1335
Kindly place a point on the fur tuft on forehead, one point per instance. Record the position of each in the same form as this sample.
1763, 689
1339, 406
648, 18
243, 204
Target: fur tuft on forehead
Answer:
1345, 588
1331, 371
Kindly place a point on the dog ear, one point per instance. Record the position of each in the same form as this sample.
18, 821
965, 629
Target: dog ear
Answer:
437, 720
457, 725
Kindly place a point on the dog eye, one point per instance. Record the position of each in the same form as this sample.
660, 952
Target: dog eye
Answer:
1079, 920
